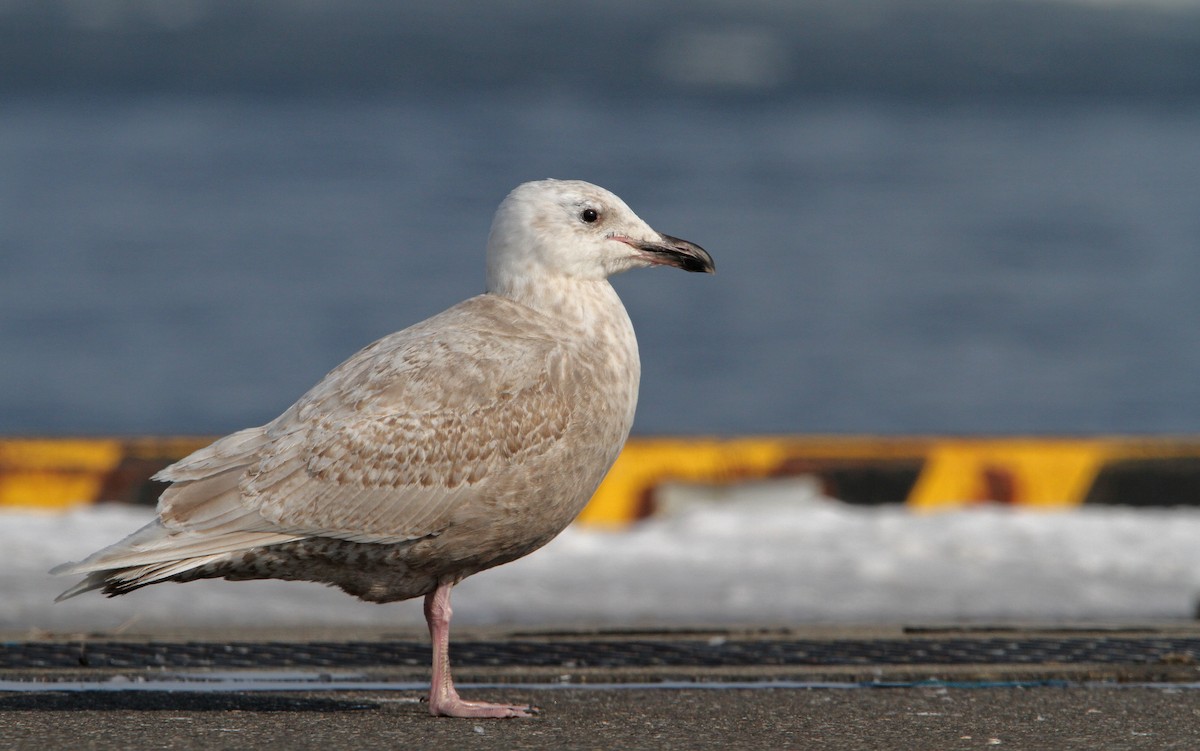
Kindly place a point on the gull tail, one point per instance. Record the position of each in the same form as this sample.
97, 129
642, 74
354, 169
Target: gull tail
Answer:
155, 554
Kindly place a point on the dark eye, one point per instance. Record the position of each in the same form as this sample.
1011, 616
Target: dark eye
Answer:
589, 215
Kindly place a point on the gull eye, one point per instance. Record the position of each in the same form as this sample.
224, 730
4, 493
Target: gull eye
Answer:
589, 215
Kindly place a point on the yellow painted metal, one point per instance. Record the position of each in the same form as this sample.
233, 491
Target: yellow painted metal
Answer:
1044, 472
647, 462
1024, 471
55, 473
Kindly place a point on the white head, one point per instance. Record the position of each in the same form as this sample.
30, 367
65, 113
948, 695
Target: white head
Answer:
556, 229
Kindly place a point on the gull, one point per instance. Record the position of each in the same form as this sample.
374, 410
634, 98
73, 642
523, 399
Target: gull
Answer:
461, 443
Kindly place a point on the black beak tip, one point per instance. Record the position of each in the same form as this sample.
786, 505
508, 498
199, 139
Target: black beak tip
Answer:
699, 264
689, 256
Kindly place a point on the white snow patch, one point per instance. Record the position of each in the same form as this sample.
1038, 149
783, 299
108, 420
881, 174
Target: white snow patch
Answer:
760, 555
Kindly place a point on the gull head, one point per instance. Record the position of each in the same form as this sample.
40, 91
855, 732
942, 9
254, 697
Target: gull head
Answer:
570, 229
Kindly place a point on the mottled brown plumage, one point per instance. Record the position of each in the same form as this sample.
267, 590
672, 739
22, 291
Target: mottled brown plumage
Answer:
458, 444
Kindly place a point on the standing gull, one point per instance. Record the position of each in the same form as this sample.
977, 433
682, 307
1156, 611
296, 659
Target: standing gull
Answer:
458, 444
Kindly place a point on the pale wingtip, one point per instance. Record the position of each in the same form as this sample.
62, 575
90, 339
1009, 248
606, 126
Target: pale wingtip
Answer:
92, 581
63, 569
88, 583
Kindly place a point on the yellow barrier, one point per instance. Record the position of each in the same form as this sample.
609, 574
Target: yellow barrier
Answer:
928, 473
648, 462
54, 473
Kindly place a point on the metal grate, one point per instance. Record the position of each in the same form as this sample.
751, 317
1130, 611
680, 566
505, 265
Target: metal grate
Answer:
606, 653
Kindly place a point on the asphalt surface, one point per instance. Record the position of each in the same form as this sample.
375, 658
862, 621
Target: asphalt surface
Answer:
917, 718
1129, 699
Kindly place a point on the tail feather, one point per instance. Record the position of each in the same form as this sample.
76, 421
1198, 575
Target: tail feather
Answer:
119, 581
201, 520
155, 553
95, 580
155, 544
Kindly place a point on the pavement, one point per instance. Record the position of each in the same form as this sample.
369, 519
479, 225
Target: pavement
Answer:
1018, 687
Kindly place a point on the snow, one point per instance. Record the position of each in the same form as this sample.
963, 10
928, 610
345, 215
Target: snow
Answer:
765, 554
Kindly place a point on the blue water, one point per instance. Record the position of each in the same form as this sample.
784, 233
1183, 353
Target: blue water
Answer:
179, 258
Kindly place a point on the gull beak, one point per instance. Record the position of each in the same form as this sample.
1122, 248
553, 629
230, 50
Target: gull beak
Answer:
671, 251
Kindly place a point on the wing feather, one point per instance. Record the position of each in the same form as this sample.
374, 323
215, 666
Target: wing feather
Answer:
219, 456
396, 441
401, 474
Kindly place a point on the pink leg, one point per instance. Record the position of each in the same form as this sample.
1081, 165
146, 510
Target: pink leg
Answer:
443, 699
